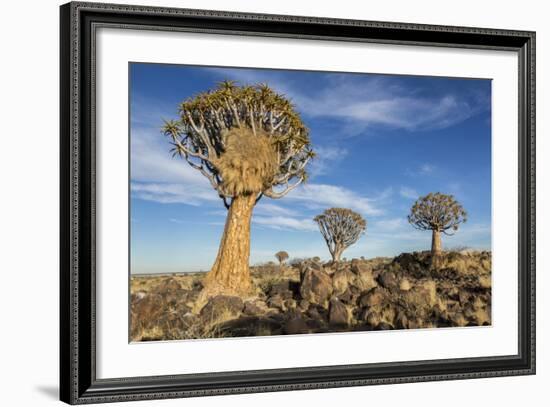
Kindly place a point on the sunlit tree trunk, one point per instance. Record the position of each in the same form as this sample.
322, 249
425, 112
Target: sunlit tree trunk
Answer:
230, 273
337, 253
436, 242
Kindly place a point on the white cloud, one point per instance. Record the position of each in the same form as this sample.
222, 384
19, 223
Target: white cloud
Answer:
423, 169
172, 193
408, 193
157, 176
366, 102
151, 161
190, 222
324, 159
426, 168
389, 225
283, 222
264, 207
323, 196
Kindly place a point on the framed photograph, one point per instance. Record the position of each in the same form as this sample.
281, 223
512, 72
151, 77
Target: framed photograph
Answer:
254, 203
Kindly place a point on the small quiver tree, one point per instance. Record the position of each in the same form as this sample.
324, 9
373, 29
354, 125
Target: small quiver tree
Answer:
249, 142
340, 228
281, 256
439, 213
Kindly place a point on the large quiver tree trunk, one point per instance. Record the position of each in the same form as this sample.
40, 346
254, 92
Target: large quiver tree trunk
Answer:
230, 273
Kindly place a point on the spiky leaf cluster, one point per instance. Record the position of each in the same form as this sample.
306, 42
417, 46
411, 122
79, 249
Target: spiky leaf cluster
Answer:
210, 119
340, 227
437, 211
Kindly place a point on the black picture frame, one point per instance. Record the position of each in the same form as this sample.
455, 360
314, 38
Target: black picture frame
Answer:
78, 382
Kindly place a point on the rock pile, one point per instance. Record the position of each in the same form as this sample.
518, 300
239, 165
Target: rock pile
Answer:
401, 293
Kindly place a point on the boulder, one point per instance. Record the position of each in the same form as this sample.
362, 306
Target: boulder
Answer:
303, 305
290, 303
347, 297
338, 313
484, 281
254, 308
388, 280
221, 307
405, 284
296, 325
359, 267
251, 326
316, 287
276, 302
373, 298
317, 312
281, 288
373, 318
168, 284
149, 308
365, 280
341, 280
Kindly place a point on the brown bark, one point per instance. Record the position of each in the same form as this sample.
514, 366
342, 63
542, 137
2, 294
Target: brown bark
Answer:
230, 273
436, 242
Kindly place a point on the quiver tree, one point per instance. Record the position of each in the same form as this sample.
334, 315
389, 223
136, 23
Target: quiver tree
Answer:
340, 228
439, 213
281, 256
249, 142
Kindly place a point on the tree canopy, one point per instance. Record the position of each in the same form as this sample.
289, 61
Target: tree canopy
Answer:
281, 256
340, 227
437, 211
243, 139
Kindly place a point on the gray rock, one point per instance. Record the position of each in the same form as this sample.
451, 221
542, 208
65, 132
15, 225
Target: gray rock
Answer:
290, 303
303, 305
221, 306
341, 280
365, 280
388, 279
282, 289
276, 302
372, 298
254, 308
316, 287
296, 325
338, 313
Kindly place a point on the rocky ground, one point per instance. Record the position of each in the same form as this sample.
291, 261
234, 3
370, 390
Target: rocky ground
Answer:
310, 296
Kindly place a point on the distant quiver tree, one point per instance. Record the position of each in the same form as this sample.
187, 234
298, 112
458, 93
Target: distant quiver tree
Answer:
281, 256
340, 228
439, 213
249, 142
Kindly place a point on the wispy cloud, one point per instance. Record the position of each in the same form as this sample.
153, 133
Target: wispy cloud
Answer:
325, 158
159, 177
151, 160
390, 225
408, 193
421, 170
369, 101
172, 193
283, 223
324, 196
190, 222
265, 207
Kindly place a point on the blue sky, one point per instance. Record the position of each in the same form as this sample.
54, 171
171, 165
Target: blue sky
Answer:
381, 142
